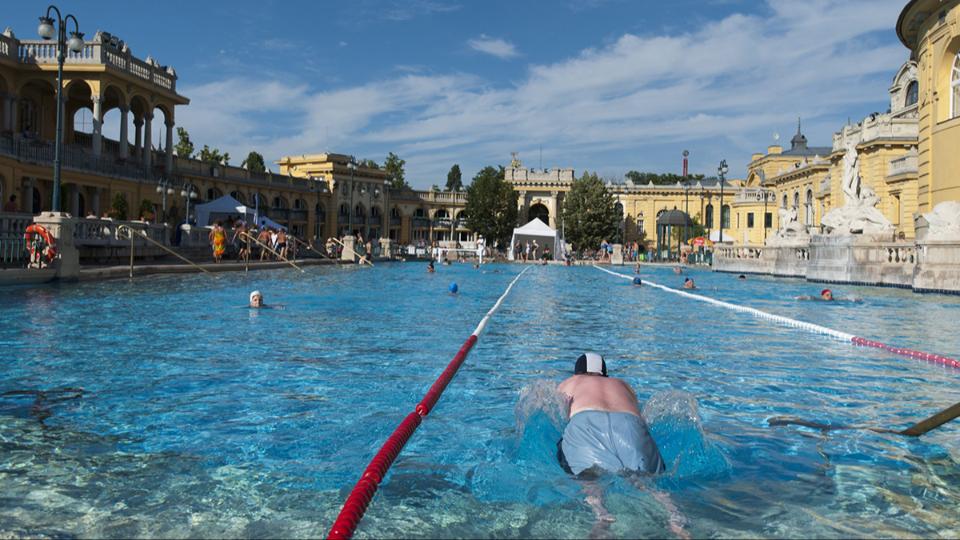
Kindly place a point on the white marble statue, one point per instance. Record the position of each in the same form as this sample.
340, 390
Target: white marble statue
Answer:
943, 223
791, 230
859, 214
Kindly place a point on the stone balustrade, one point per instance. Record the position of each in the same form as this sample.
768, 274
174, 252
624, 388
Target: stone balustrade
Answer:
35, 51
907, 164
453, 197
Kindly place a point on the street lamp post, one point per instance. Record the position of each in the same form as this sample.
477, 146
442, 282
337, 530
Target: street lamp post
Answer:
164, 189
722, 172
188, 192
353, 167
686, 184
75, 43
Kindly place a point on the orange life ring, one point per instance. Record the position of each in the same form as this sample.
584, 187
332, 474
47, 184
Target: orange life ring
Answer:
49, 247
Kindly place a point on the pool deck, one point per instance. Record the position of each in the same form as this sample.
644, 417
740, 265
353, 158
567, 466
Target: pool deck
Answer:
123, 271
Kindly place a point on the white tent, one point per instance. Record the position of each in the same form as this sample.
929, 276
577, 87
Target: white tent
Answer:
222, 208
542, 233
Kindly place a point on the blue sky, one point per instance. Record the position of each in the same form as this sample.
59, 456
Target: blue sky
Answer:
603, 85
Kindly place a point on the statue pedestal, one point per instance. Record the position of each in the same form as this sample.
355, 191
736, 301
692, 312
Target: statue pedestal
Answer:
349, 252
861, 260
386, 248
617, 256
61, 225
938, 266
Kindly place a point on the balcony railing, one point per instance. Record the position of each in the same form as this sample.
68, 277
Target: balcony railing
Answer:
35, 51
74, 157
907, 164
421, 223
394, 222
456, 197
298, 215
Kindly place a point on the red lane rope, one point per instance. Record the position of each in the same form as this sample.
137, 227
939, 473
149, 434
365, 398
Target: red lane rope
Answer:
910, 353
359, 499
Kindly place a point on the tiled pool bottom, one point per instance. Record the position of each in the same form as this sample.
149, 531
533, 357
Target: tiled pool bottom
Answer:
201, 418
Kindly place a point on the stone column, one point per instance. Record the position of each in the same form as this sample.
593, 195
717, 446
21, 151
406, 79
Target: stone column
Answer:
349, 245
68, 257
75, 201
138, 138
26, 198
14, 112
385, 245
168, 164
96, 202
124, 136
148, 142
97, 125
7, 112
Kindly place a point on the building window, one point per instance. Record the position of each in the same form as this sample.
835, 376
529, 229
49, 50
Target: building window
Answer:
808, 214
749, 220
768, 220
913, 94
725, 217
784, 205
955, 86
709, 220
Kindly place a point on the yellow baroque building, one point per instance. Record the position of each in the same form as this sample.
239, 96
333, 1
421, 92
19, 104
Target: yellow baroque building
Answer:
931, 30
808, 179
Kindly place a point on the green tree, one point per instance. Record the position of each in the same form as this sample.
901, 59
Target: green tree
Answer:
394, 167
213, 155
590, 213
454, 178
146, 209
369, 163
184, 147
492, 206
119, 207
254, 163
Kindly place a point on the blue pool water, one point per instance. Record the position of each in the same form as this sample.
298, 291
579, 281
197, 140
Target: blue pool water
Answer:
200, 418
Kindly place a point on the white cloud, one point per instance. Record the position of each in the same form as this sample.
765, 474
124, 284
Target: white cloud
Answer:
493, 46
720, 89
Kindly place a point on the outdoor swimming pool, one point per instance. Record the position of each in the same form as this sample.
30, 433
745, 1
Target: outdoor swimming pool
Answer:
201, 418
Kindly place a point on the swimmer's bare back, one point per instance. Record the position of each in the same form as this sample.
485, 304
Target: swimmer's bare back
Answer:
596, 393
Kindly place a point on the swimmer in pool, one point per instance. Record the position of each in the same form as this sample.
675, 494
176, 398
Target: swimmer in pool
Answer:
430, 268
689, 284
742, 277
607, 433
826, 295
256, 299
606, 430
677, 270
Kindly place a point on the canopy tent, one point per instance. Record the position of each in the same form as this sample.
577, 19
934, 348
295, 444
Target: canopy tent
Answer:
267, 222
539, 231
223, 208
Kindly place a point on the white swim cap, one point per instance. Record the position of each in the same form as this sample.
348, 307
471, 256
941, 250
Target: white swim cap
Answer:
255, 293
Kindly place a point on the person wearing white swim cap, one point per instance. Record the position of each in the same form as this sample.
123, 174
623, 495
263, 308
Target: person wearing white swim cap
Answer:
256, 299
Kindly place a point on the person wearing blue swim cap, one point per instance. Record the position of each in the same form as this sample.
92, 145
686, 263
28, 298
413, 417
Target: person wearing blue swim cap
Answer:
454, 288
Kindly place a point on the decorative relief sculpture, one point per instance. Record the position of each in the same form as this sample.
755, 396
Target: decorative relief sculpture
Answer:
859, 214
791, 230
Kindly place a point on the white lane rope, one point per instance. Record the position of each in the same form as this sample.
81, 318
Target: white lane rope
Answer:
486, 318
787, 321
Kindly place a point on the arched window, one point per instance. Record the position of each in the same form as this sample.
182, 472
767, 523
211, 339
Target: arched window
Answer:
441, 214
913, 94
955, 86
359, 211
725, 216
395, 212
321, 211
375, 212
796, 199
419, 213
214, 194
299, 204
784, 203
709, 213
238, 196
808, 214
279, 202
344, 210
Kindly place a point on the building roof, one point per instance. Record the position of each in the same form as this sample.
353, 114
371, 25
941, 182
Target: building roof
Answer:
798, 146
674, 218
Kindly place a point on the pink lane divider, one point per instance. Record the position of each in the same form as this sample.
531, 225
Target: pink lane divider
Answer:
362, 493
919, 355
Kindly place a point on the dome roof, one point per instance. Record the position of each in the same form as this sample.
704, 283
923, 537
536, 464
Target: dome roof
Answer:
674, 218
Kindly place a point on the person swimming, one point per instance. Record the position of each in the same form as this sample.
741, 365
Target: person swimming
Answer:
742, 277
606, 430
430, 268
256, 299
826, 295
689, 284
